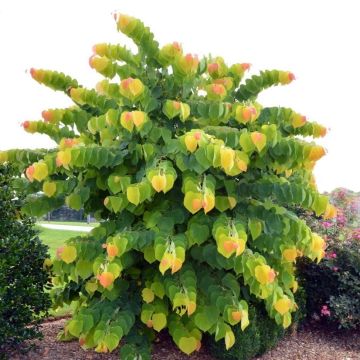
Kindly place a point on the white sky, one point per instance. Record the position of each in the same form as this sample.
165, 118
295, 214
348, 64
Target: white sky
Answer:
317, 40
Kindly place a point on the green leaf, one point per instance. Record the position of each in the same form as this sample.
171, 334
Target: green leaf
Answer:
320, 204
246, 143
206, 317
148, 295
188, 344
75, 327
74, 201
115, 269
40, 205
255, 227
112, 341
88, 322
158, 289
159, 321
84, 268
133, 194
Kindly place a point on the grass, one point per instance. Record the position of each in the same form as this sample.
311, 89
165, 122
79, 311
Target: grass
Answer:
74, 223
55, 238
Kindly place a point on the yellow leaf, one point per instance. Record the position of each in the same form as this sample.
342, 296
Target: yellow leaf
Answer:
294, 286
317, 243
244, 114
258, 139
40, 171
131, 88
283, 305
139, 118
191, 142
68, 254
49, 188
208, 202
264, 274
101, 347
193, 201
244, 319
286, 77
176, 265
170, 180
47, 263
290, 254
229, 245
240, 246
166, 262
126, 121
288, 172
3, 157
232, 202
286, 320
148, 295
126, 24
191, 307
158, 182
241, 164
133, 194
298, 120
99, 63
63, 158
136, 87
229, 339
316, 153
227, 157
330, 212
184, 111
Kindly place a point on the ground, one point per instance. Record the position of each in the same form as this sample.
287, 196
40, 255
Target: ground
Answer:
55, 238
311, 342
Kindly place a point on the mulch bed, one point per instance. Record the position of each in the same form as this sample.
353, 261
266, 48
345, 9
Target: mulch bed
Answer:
310, 343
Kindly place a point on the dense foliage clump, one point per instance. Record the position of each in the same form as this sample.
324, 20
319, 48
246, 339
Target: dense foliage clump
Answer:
191, 178
22, 277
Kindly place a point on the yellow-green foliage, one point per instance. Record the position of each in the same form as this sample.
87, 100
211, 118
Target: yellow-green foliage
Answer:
190, 177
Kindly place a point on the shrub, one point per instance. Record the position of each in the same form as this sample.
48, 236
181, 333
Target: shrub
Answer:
261, 335
333, 287
191, 178
22, 278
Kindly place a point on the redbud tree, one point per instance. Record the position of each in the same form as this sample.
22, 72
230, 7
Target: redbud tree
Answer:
190, 178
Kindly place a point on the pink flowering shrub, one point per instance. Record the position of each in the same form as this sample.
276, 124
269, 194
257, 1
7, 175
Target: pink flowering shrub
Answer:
333, 286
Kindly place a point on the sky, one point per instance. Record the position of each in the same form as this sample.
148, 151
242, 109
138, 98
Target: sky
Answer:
316, 40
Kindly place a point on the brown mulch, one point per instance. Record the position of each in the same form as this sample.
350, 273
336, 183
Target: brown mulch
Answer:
317, 342
310, 343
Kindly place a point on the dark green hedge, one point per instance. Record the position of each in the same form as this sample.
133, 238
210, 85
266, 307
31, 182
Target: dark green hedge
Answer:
22, 279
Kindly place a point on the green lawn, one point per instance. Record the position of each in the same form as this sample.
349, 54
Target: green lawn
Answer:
55, 238
74, 223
